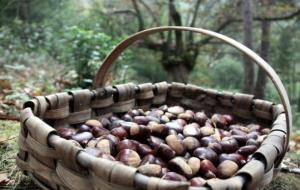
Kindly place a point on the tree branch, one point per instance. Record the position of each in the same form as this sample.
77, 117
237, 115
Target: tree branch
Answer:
176, 17
190, 38
138, 15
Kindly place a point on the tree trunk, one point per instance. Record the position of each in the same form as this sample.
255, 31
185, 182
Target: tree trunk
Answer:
264, 52
248, 66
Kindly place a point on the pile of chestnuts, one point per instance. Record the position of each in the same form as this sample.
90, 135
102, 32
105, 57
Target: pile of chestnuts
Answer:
171, 142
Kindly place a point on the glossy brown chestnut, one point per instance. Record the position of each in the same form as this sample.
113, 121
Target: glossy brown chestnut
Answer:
127, 144
139, 132
227, 169
115, 140
129, 157
197, 182
229, 146
252, 142
176, 144
219, 121
155, 142
216, 147
150, 170
206, 153
144, 149
200, 118
157, 129
237, 158
247, 150
83, 128
165, 152
148, 159
119, 132
141, 120
179, 165
82, 138
127, 117
207, 169
206, 140
241, 139
173, 177
190, 143
66, 132
99, 131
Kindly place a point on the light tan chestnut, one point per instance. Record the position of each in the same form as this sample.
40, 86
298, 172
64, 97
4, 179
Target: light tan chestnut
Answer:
227, 169
176, 144
190, 143
194, 164
129, 157
206, 131
178, 164
93, 123
106, 146
150, 170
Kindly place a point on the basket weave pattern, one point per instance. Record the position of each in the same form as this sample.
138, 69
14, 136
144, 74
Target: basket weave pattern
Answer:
57, 163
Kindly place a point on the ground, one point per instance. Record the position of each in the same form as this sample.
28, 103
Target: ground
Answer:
16, 180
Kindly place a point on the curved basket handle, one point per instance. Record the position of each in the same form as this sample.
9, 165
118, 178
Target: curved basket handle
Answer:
115, 53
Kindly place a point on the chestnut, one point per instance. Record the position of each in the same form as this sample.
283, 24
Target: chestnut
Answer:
82, 138
237, 158
106, 146
207, 131
200, 118
83, 128
141, 120
194, 164
165, 152
66, 132
247, 150
119, 132
191, 130
157, 129
215, 146
163, 108
254, 127
93, 123
219, 121
207, 169
228, 118
252, 142
206, 153
238, 132
241, 139
105, 122
164, 119
175, 110
115, 140
170, 115
127, 144
253, 135
265, 131
139, 132
127, 117
182, 122
148, 159
128, 125
197, 182
175, 125
133, 113
227, 169
150, 170
190, 143
152, 118
206, 140
129, 157
229, 146
174, 177
144, 149
92, 143
178, 164
155, 142
186, 116
176, 144
99, 131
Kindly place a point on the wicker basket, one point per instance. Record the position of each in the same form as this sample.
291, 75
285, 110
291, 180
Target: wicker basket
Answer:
56, 163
